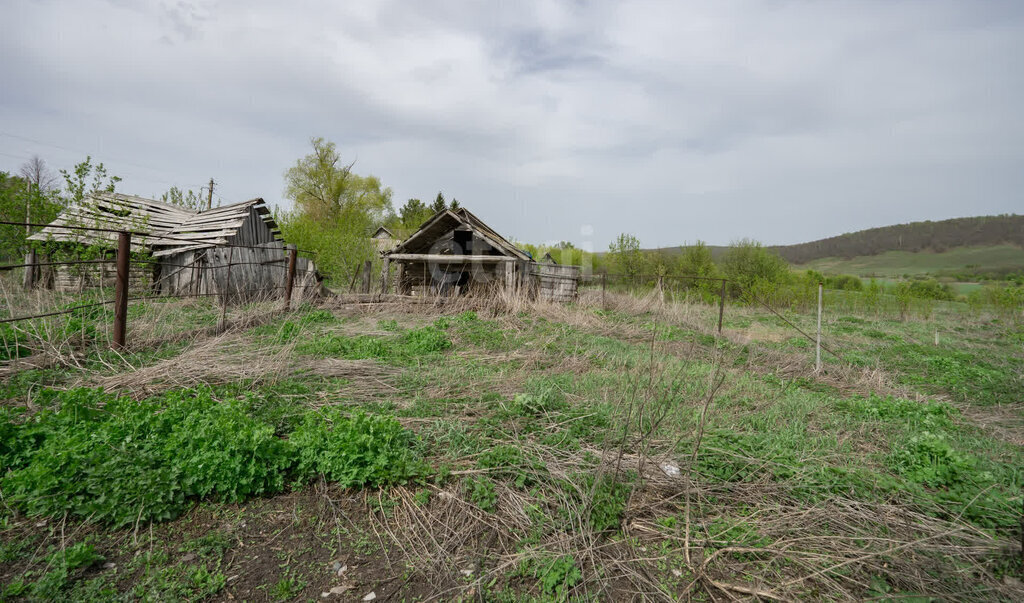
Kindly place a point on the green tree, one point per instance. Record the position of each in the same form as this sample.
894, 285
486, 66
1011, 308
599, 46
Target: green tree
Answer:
414, 213
335, 210
188, 199
624, 255
696, 260
85, 179
324, 188
15, 206
439, 204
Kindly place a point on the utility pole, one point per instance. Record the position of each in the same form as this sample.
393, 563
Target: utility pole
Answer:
30, 253
28, 211
209, 197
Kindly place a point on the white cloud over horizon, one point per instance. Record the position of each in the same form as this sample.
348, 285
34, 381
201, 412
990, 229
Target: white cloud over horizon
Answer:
777, 120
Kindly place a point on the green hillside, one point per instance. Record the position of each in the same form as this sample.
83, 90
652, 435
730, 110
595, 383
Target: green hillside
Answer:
927, 236
969, 260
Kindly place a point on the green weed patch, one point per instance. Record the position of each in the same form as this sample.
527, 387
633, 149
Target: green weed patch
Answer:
890, 408
356, 451
399, 349
965, 376
119, 461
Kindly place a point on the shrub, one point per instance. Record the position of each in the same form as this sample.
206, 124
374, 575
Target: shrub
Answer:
748, 263
845, 282
361, 450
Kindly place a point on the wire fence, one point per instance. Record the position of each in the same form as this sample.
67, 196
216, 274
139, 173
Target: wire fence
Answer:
689, 288
69, 290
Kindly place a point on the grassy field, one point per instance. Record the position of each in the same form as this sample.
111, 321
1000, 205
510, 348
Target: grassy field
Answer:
898, 263
517, 452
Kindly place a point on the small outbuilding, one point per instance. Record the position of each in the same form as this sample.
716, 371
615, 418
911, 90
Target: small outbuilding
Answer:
384, 240
455, 253
235, 249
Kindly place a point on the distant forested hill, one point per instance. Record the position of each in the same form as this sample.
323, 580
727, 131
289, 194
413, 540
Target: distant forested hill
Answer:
916, 236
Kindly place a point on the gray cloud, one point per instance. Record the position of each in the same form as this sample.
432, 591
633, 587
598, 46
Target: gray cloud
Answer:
784, 121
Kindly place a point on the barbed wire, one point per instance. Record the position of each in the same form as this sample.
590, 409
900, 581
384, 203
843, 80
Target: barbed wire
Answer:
228, 294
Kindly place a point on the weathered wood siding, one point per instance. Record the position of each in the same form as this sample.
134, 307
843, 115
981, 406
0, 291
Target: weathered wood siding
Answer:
80, 277
555, 283
254, 273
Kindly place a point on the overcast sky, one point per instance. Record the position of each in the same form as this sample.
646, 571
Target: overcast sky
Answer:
781, 121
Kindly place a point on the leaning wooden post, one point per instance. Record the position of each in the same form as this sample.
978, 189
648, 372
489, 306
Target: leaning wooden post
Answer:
124, 240
293, 253
817, 342
384, 274
721, 307
227, 291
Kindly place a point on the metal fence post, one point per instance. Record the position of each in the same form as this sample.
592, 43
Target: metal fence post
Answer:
121, 290
817, 342
721, 307
290, 282
227, 291
604, 286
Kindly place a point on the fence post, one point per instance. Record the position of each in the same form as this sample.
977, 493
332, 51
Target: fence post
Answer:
30, 269
721, 307
817, 342
289, 283
121, 290
367, 268
227, 291
385, 273
604, 286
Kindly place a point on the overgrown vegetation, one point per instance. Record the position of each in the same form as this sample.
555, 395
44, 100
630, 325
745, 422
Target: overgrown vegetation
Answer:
552, 453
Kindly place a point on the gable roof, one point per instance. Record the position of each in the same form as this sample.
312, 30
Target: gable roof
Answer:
170, 227
445, 221
382, 231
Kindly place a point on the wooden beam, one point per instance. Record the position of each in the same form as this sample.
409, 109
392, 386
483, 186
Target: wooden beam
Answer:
449, 259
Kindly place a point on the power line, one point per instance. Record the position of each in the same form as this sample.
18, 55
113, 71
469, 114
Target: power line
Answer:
87, 153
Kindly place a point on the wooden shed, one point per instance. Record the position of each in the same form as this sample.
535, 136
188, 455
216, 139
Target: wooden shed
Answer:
454, 253
235, 249
182, 252
384, 240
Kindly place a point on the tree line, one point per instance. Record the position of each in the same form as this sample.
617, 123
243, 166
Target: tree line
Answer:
36, 195
915, 236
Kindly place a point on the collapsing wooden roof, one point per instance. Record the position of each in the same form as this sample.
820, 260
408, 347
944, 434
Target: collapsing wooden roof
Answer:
168, 228
444, 222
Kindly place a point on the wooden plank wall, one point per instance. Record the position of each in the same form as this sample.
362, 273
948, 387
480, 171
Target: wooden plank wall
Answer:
255, 273
76, 278
555, 283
